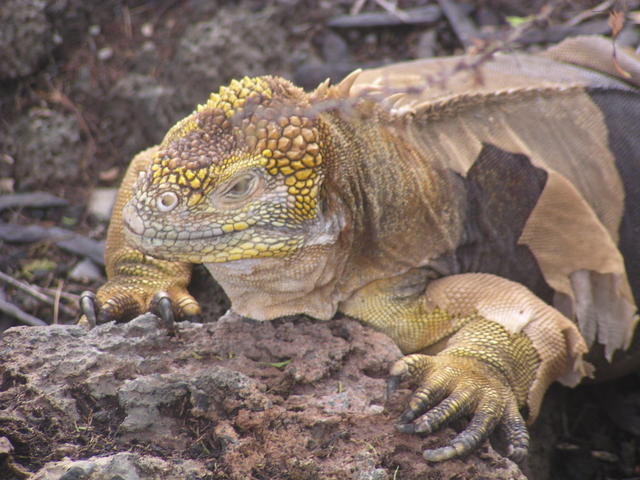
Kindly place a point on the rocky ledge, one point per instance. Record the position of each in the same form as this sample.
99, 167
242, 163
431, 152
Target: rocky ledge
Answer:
233, 399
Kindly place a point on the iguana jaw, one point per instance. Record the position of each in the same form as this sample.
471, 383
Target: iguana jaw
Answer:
305, 281
211, 242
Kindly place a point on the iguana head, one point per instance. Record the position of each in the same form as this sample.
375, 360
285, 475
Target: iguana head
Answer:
239, 178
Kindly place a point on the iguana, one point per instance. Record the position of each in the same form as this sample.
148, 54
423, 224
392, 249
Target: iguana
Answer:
485, 218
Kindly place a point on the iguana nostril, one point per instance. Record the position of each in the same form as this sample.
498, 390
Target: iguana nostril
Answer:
132, 219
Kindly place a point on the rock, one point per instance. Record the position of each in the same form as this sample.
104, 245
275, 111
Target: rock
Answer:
85, 271
26, 37
335, 65
101, 202
48, 149
334, 48
5, 446
427, 44
143, 109
123, 466
232, 44
290, 398
310, 75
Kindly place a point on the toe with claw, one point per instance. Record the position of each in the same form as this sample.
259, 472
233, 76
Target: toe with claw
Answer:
161, 306
452, 387
122, 299
88, 308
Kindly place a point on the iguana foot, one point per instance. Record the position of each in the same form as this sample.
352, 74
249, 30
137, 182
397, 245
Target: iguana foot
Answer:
450, 387
122, 300
160, 305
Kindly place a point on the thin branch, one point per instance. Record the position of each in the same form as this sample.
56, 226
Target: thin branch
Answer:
393, 9
63, 238
590, 12
56, 302
357, 6
69, 297
23, 317
31, 290
460, 22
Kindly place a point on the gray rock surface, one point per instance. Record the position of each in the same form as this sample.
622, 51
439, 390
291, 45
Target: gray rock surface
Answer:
26, 37
144, 108
123, 466
101, 202
232, 44
234, 399
47, 148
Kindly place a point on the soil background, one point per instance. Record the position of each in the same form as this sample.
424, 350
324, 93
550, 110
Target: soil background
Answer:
84, 85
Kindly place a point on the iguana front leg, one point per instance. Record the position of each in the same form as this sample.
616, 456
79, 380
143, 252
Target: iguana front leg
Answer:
493, 349
137, 282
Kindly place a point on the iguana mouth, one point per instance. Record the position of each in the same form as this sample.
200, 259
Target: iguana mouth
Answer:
150, 233
135, 226
220, 243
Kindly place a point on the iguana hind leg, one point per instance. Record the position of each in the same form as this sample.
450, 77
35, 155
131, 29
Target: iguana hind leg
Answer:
493, 349
138, 282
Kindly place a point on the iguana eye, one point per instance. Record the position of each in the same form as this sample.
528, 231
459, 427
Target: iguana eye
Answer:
243, 186
167, 201
237, 190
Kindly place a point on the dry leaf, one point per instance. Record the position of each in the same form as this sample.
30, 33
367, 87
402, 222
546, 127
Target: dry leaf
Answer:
109, 175
616, 22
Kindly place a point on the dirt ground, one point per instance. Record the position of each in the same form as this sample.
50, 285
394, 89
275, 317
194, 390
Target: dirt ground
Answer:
86, 85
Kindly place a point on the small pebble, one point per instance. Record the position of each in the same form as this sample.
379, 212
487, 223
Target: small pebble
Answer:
85, 271
5, 446
375, 409
605, 456
146, 30
101, 202
105, 53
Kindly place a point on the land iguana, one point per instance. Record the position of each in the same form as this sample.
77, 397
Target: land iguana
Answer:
485, 218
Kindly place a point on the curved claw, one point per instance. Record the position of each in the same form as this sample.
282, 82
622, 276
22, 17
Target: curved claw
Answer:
392, 386
161, 304
444, 453
517, 434
406, 427
518, 454
451, 387
451, 408
468, 440
88, 307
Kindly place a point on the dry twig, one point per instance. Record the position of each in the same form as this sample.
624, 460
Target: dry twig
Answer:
23, 317
616, 22
462, 25
590, 12
31, 290
63, 238
417, 16
56, 302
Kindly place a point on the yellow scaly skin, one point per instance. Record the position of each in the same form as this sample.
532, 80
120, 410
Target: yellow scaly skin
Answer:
135, 278
257, 184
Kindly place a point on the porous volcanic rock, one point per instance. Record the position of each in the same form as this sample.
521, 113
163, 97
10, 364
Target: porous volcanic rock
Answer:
233, 399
